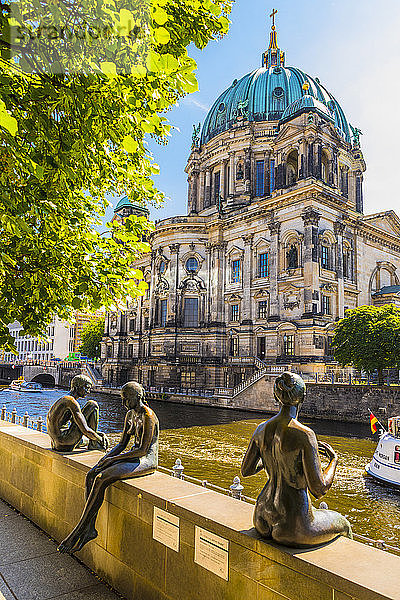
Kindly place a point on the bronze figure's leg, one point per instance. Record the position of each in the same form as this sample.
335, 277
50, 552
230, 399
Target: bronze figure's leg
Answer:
72, 436
96, 484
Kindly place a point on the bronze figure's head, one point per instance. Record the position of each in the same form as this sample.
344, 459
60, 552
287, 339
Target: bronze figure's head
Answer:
289, 389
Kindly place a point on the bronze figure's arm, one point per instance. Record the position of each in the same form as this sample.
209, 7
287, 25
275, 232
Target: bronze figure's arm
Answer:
318, 481
252, 463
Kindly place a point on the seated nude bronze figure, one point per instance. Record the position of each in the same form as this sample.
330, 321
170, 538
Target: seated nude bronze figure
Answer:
67, 423
141, 425
289, 453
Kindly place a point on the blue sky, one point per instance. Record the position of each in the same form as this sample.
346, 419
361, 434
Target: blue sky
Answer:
352, 46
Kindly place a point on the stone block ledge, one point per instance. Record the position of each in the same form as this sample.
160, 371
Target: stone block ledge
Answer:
48, 488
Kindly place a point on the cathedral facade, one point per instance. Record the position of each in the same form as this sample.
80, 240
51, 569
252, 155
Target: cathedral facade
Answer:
273, 251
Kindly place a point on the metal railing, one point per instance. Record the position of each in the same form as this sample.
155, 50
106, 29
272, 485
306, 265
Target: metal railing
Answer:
38, 424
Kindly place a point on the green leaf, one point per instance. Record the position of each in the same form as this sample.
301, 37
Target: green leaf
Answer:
8, 122
130, 144
162, 35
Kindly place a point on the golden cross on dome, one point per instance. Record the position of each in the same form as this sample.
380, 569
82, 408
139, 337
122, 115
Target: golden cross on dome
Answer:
272, 16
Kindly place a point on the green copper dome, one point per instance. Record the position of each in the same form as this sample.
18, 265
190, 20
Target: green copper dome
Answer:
266, 93
137, 208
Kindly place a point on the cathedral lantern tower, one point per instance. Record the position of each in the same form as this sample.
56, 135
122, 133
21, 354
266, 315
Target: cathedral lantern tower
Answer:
269, 131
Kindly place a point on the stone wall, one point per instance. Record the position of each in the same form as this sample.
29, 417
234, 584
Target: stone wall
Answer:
350, 403
48, 488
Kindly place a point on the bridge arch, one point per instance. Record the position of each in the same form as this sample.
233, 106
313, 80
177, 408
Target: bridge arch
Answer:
45, 379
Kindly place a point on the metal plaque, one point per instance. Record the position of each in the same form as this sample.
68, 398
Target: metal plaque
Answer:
212, 552
166, 529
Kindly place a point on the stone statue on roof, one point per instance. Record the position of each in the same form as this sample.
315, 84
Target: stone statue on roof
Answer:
356, 136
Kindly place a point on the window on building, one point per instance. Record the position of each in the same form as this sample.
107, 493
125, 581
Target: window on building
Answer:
192, 265
217, 186
188, 378
146, 322
329, 346
263, 265
325, 252
326, 305
261, 347
271, 175
288, 345
234, 312
191, 312
163, 313
130, 351
109, 351
132, 325
260, 185
263, 309
236, 268
234, 346
162, 267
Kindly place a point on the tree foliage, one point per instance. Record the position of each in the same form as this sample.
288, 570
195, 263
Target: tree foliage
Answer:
369, 338
75, 110
91, 336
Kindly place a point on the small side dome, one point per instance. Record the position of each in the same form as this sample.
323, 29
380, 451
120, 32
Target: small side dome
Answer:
137, 209
307, 103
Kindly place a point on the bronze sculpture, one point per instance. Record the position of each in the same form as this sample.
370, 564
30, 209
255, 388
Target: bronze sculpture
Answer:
141, 424
289, 452
67, 423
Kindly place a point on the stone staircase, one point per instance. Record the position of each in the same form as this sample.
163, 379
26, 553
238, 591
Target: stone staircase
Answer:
93, 374
263, 370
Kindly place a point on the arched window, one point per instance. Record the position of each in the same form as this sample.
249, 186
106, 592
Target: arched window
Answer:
292, 257
192, 265
292, 167
347, 261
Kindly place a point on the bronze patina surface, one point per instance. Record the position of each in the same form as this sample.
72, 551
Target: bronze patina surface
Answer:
289, 453
141, 425
67, 423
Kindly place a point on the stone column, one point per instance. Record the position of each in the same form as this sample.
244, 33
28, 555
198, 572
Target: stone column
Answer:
247, 278
232, 175
194, 197
208, 249
222, 182
217, 282
207, 194
302, 172
248, 170
274, 228
173, 293
202, 190
311, 220
339, 228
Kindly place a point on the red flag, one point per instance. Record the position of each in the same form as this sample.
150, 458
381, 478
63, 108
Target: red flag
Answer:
373, 421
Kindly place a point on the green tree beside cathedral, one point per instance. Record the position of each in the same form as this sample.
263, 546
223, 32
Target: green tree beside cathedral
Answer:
91, 337
79, 92
368, 338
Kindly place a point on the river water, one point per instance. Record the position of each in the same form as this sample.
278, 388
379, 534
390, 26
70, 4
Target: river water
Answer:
211, 443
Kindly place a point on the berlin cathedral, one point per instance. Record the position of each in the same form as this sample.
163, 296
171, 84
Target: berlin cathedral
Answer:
275, 246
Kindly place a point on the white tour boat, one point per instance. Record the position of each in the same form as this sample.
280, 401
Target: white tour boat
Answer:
385, 464
19, 385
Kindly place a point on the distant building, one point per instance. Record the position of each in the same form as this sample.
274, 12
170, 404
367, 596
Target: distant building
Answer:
62, 338
274, 248
57, 342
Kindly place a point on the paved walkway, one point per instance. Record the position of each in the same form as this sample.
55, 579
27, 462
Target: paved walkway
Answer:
32, 569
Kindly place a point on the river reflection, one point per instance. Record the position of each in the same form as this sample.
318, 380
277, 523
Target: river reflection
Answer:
211, 443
